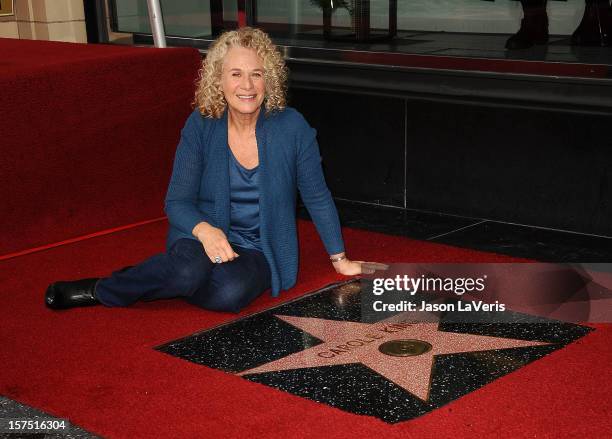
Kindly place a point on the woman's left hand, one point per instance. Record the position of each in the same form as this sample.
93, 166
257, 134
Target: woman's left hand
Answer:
352, 268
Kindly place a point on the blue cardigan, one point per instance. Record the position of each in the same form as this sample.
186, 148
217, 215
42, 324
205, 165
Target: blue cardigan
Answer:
289, 160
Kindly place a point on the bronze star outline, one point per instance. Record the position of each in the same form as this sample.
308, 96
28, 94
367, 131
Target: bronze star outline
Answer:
412, 374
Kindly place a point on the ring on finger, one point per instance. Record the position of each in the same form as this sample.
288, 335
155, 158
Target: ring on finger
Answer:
218, 259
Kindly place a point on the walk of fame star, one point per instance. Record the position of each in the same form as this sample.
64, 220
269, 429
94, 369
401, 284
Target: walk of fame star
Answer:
354, 342
324, 348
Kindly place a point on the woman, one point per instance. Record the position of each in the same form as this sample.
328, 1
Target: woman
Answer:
232, 195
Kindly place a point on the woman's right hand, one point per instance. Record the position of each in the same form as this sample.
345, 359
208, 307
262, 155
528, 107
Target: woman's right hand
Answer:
215, 242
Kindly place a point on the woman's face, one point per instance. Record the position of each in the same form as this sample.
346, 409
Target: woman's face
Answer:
242, 80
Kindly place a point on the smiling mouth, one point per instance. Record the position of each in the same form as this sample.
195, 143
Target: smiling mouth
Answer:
246, 97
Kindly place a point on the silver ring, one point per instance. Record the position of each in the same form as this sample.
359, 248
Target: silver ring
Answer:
218, 259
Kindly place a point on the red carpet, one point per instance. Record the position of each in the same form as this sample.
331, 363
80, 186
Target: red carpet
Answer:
90, 137
97, 367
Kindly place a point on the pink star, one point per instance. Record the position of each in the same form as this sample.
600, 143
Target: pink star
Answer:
353, 342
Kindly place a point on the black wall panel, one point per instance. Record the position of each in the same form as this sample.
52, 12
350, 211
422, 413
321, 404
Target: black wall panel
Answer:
362, 143
526, 166
530, 166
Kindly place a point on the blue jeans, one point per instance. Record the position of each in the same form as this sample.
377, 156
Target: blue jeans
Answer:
185, 271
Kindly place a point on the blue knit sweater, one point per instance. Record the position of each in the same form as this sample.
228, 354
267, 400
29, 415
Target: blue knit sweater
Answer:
289, 160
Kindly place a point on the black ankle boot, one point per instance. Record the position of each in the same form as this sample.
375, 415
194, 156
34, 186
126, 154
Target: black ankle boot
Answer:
595, 27
64, 295
534, 26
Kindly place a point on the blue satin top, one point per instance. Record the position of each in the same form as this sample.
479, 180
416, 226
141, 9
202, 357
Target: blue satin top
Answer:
244, 205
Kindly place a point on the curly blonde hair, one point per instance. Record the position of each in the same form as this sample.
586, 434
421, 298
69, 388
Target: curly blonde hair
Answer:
209, 97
